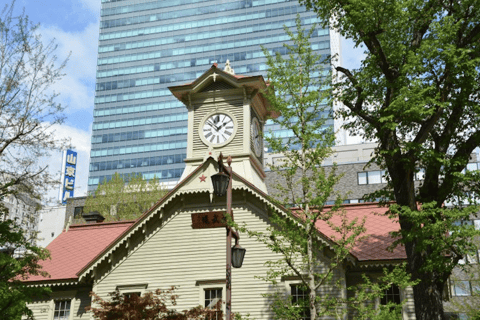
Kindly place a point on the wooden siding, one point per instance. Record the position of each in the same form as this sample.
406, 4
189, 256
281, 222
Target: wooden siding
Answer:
168, 252
177, 255
43, 309
234, 105
40, 309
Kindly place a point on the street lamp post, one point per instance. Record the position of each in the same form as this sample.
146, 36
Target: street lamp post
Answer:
222, 183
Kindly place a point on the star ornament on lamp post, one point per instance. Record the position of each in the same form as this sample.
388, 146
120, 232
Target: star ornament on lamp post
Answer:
222, 184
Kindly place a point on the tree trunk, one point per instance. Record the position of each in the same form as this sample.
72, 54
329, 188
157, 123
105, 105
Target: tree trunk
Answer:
428, 298
428, 293
311, 277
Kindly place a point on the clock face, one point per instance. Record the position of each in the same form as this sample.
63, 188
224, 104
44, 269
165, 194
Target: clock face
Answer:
218, 128
257, 137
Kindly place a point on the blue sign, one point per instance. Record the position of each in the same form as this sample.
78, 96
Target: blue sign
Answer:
70, 172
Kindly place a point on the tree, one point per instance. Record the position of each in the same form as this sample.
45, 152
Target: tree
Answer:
28, 113
149, 306
120, 200
14, 268
416, 93
28, 107
299, 92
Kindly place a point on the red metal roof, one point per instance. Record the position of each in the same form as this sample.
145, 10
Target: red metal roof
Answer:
378, 228
376, 239
72, 250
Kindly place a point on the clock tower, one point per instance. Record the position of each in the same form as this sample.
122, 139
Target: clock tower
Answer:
226, 113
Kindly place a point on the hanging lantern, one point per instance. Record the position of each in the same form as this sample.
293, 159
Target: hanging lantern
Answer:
238, 253
220, 183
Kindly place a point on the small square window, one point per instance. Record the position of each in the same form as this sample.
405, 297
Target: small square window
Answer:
391, 295
362, 178
62, 310
374, 177
77, 214
461, 288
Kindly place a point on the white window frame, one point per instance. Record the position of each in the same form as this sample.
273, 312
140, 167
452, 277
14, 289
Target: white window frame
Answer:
288, 281
383, 174
62, 296
132, 288
210, 285
402, 299
289, 290
366, 178
453, 292
374, 175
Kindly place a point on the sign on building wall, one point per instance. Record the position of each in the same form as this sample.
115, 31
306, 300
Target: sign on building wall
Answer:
70, 168
205, 220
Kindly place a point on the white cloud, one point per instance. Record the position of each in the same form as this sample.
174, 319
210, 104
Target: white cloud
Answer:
351, 57
92, 5
81, 143
77, 86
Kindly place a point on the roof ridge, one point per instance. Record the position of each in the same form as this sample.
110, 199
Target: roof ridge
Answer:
361, 204
101, 224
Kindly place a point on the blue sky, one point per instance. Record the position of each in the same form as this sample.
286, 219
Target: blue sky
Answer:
75, 24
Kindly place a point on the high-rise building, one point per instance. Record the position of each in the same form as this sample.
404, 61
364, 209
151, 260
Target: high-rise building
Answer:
23, 211
146, 46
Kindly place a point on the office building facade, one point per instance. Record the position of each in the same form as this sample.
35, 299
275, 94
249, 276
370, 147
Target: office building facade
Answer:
147, 46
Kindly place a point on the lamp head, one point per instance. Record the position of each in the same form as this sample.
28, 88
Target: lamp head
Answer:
220, 183
238, 253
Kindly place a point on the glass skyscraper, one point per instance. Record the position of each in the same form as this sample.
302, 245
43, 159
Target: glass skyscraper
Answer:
146, 46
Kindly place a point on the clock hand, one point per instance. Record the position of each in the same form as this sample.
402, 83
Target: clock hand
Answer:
213, 125
224, 124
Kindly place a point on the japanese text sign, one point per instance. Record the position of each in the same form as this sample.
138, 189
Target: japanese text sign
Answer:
212, 219
70, 172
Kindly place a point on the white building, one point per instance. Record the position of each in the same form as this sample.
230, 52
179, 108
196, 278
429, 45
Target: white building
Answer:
52, 222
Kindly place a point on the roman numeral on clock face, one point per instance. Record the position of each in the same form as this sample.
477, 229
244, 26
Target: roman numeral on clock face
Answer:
218, 128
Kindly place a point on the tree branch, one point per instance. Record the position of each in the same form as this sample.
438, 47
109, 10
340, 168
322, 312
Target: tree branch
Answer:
357, 107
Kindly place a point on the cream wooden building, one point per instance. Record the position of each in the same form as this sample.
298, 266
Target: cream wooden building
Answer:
178, 243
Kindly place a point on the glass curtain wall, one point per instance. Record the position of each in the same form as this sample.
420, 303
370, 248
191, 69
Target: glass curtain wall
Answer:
146, 46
